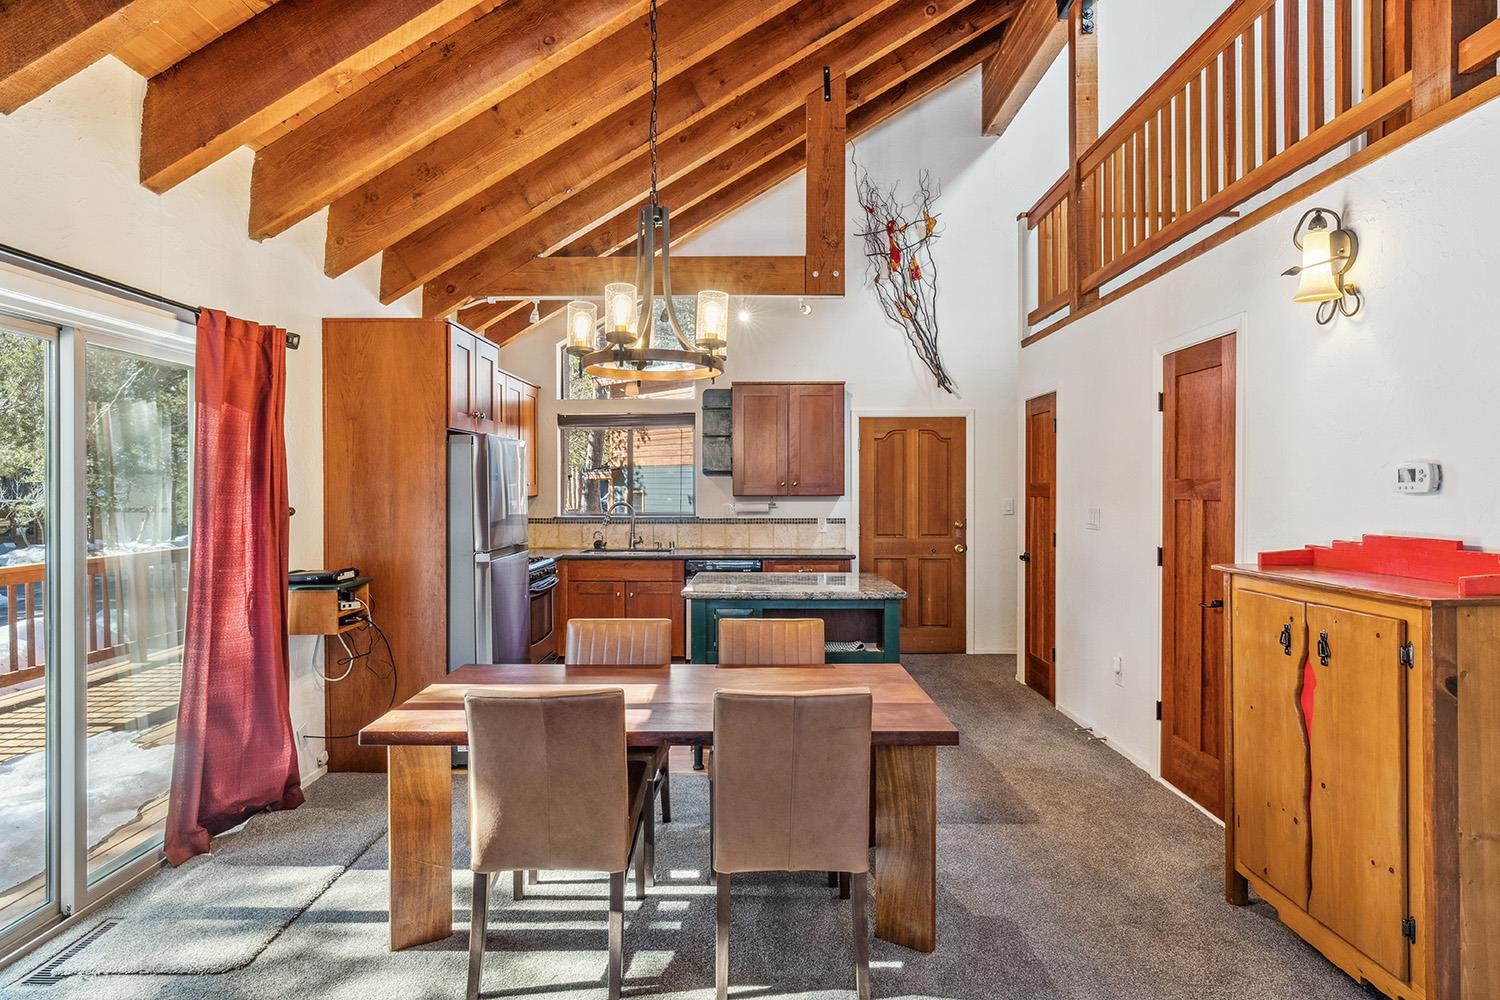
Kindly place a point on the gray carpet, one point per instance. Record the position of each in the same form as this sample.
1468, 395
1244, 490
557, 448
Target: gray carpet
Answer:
1063, 872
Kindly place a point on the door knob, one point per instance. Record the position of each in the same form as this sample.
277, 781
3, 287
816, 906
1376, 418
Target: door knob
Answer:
958, 526
1211, 605
1026, 557
960, 548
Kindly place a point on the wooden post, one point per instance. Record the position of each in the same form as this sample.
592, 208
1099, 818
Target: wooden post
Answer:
826, 136
1437, 28
1083, 131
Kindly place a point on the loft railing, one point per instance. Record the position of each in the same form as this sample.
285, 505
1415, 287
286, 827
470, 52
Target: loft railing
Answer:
138, 602
1270, 88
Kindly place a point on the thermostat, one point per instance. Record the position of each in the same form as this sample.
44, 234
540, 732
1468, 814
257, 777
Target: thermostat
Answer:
1419, 477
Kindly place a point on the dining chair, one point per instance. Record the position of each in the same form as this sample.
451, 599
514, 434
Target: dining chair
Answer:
805, 808
550, 786
627, 642
770, 642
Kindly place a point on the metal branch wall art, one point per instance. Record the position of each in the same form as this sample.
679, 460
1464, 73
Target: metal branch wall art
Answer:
898, 245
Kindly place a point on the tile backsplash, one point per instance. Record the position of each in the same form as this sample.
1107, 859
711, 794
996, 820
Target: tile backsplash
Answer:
693, 533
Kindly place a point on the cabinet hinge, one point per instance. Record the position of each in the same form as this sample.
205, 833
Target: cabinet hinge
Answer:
1158, 711
1409, 656
1159, 555
1161, 402
1409, 929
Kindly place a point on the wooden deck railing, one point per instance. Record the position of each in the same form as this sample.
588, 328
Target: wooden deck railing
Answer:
137, 603
1269, 89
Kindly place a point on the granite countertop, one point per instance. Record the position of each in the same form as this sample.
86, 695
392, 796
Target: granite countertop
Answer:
682, 552
792, 587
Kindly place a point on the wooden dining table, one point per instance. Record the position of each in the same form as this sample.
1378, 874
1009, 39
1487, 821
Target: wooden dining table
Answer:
664, 706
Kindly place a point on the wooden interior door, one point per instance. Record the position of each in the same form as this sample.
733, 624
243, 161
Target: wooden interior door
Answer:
1357, 733
1198, 406
815, 439
1271, 829
913, 523
760, 440
1040, 556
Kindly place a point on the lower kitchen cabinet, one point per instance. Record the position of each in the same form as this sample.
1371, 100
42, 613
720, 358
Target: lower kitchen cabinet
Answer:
805, 565
1356, 770
623, 588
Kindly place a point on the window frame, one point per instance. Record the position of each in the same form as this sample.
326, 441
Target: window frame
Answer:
594, 418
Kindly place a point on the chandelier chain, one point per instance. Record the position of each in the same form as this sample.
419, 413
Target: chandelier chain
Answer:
655, 85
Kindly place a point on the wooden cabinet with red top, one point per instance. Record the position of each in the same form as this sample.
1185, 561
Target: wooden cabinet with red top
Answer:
1362, 708
788, 438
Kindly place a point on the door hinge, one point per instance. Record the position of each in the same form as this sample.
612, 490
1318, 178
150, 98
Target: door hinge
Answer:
1054, 539
1054, 654
1161, 402
1158, 711
1409, 929
1408, 656
1159, 556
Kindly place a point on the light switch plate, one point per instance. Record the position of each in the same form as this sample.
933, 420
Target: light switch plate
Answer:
1096, 519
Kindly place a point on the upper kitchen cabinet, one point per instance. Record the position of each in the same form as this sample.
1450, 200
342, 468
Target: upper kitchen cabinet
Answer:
518, 418
485, 399
788, 439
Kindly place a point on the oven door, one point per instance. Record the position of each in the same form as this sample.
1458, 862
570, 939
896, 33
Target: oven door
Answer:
543, 619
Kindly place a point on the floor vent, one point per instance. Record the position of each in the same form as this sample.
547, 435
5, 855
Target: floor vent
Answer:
47, 975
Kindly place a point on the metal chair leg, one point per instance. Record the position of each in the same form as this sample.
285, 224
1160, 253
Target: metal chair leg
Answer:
616, 933
645, 833
649, 850
833, 880
666, 793
518, 884
843, 885
858, 886
721, 938
478, 920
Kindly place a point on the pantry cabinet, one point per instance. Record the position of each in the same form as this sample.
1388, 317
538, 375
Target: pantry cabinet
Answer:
788, 438
1353, 752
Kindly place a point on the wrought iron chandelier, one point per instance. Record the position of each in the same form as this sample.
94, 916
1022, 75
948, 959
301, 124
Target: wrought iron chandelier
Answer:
619, 346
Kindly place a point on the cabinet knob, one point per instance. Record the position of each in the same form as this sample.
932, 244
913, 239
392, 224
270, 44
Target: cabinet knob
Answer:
783, 482
794, 482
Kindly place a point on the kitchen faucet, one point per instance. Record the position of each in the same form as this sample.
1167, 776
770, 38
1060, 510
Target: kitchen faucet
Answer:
635, 539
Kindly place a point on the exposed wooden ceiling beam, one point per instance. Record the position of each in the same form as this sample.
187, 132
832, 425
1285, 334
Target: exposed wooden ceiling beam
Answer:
43, 42
1034, 42
519, 322
539, 118
770, 77
421, 100
246, 82
574, 277
483, 315
779, 102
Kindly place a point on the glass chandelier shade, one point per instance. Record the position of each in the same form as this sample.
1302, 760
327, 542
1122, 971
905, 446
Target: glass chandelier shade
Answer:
1318, 281
712, 327
583, 323
621, 314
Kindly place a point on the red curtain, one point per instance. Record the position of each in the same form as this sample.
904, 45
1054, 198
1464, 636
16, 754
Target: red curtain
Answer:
235, 754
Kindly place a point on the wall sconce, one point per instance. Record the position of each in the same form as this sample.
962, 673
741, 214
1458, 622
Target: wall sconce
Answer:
1327, 255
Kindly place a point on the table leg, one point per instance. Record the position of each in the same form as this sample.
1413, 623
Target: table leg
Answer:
906, 846
421, 844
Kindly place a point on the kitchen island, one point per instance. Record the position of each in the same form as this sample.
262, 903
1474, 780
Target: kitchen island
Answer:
861, 612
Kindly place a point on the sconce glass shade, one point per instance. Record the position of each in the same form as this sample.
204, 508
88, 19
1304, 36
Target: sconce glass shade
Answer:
713, 321
620, 313
583, 318
1321, 279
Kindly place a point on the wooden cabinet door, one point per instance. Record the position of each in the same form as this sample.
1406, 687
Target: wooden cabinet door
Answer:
815, 440
1271, 830
593, 599
526, 430
760, 440
805, 565
508, 404
462, 362
1355, 713
659, 599
487, 377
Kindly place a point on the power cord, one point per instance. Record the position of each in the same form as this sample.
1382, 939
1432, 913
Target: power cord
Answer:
354, 657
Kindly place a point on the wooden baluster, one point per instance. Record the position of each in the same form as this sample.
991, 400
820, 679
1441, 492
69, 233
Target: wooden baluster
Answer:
1229, 115
1106, 174
1268, 84
1291, 73
1140, 186
1153, 176
13, 652
90, 624
30, 591
1317, 68
1043, 261
1122, 199
1343, 56
106, 611
1249, 133
1195, 119
1167, 205
1064, 220
39, 650
1211, 124
1181, 140
1132, 208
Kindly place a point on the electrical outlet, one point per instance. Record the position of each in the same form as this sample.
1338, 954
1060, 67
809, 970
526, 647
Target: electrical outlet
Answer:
322, 758
1117, 664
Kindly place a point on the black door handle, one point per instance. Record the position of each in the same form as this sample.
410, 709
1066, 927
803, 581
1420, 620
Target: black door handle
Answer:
1211, 605
1026, 557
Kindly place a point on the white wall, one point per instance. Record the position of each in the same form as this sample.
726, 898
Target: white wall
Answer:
69, 167
849, 339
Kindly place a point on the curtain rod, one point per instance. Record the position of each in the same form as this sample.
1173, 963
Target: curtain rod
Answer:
51, 268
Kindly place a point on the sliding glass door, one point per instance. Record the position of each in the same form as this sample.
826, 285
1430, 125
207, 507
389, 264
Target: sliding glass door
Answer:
95, 498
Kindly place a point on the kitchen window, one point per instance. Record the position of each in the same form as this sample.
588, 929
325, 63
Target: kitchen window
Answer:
647, 461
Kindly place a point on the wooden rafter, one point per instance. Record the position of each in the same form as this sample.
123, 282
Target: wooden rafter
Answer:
827, 134
483, 315
260, 74
421, 100
597, 172
578, 95
1034, 42
885, 50
43, 42
573, 277
519, 322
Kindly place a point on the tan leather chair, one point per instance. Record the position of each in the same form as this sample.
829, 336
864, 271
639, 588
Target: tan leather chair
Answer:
770, 642
803, 808
628, 642
550, 786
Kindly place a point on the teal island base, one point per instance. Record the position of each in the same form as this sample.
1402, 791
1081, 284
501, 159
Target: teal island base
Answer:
856, 631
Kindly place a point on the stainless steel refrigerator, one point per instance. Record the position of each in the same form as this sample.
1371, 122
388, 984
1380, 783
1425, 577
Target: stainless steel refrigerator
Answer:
489, 610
